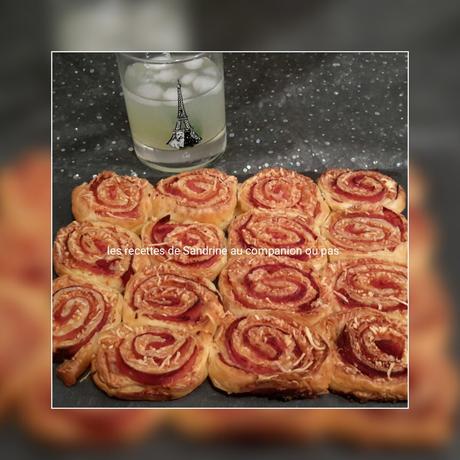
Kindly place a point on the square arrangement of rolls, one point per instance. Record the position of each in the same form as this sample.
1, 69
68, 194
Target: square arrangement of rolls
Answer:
309, 297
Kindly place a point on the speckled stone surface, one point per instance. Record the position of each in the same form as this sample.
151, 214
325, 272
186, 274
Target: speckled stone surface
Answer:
308, 112
303, 111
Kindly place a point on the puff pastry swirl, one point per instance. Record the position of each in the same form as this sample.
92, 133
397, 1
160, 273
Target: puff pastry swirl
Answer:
167, 295
150, 363
369, 354
270, 285
369, 283
120, 200
283, 233
378, 233
81, 310
345, 188
193, 246
81, 249
283, 189
203, 195
269, 355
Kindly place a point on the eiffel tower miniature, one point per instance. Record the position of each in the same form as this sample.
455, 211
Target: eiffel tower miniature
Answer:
183, 135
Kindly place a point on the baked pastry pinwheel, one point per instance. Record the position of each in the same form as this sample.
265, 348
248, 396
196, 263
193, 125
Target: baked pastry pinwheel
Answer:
345, 188
271, 285
122, 200
283, 189
369, 283
369, 354
269, 355
204, 195
277, 233
81, 311
150, 363
378, 234
98, 251
194, 246
165, 294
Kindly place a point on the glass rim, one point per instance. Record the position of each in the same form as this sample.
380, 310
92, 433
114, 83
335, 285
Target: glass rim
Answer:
189, 57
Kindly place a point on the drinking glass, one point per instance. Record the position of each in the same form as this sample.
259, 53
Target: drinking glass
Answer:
176, 107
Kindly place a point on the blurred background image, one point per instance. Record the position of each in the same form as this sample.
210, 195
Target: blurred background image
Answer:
428, 31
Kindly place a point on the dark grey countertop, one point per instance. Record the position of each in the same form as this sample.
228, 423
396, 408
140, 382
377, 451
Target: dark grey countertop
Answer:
302, 111
308, 112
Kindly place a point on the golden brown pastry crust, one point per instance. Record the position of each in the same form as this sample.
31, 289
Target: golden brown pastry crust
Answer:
121, 200
167, 295
269, 355
81, 311
80, 249
266, 285
271, 340
345, 188
193, 246
283, 233
359, 233
369, 354
150, 363
368, 283
283, 189
203, 195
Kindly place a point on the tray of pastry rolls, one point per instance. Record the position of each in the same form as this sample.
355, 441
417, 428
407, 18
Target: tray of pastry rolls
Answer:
203, 289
